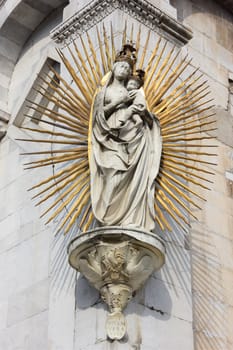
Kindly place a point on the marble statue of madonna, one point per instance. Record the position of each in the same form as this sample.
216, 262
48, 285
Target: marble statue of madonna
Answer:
125, 152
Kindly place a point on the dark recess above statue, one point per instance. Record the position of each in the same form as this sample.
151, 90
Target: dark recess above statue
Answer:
228, 4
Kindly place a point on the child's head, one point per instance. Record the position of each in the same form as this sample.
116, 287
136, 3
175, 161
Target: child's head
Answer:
135, 81
132, 84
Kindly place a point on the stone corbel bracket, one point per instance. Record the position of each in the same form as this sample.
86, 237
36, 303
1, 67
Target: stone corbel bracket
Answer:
141, 10
117, 261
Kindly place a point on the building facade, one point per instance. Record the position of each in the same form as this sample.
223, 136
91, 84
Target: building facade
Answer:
44, 303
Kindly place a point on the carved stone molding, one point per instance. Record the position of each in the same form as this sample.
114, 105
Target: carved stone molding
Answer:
117, 261
142, 10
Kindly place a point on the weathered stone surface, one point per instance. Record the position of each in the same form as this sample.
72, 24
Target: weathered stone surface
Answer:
29, 257
87, 319
15, 32
177, 258
225, 126
9, 49
86, 295
23, 233
227, 278
28, 334
3, 314
210, 341
44, 6
9, 224
7, 64
203, 22
169, 300
9, 174
213, 319
61, 326
176, 278
4, 80
28, 302
178, 331
27, 16
220, 94
211, 245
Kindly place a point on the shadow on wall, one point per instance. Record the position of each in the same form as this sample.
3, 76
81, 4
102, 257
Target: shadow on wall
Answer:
162, 290
166, 294
165, 297
62, 276
211, 325
162, 306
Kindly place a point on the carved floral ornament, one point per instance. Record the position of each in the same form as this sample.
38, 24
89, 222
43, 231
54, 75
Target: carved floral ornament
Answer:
127, 134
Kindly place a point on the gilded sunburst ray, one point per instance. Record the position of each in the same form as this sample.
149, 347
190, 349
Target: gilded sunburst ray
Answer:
179, 100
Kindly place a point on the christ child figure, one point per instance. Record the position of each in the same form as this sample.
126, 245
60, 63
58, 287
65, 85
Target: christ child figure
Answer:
137, 109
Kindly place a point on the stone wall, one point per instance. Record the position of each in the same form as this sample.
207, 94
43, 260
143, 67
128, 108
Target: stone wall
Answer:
17, 22
25, 248
212, 237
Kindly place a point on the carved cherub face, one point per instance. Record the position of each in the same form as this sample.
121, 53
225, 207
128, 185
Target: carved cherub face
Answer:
119, 256
121, 70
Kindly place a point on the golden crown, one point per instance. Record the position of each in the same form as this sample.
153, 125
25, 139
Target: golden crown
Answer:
127, 54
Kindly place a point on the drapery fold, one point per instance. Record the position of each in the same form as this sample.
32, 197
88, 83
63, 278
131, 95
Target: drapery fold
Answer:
124, 162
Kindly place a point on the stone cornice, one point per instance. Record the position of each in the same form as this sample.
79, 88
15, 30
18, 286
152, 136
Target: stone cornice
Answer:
142, 10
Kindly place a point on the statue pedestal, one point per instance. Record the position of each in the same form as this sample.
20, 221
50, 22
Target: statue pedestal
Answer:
117, 261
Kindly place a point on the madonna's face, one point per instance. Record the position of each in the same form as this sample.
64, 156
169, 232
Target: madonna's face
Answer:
122, 70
